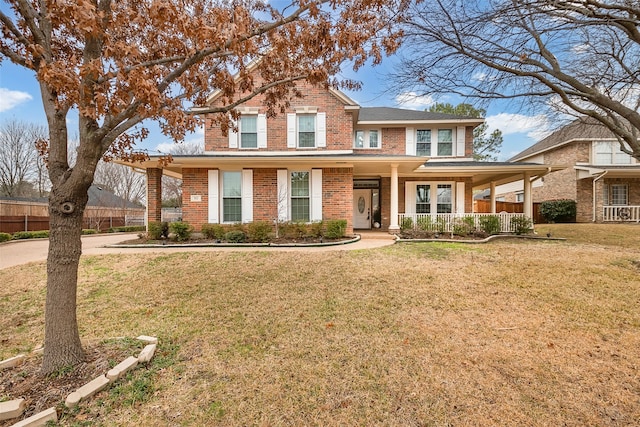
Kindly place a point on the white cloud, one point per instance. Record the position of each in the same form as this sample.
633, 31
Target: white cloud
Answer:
12, 98
413, 101
536, 127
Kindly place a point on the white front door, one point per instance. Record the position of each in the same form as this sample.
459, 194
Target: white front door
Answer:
362, 209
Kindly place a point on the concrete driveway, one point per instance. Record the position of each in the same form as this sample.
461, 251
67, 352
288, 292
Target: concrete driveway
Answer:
20, 252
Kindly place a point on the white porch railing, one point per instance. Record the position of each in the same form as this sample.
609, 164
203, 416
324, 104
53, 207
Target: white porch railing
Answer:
446, 223
621, 213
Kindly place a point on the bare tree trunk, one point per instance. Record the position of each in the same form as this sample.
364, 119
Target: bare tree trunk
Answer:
62, 345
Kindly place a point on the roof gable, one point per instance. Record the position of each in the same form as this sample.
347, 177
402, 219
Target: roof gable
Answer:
584, 129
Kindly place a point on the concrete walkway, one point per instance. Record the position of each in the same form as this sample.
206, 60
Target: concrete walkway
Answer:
20, 252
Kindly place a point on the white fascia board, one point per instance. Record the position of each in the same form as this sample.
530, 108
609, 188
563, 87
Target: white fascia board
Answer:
249, 154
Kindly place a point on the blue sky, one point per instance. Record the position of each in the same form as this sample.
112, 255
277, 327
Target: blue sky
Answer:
20, 99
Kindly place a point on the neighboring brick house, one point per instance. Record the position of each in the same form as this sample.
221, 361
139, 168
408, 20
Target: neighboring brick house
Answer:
603, 180
328, 158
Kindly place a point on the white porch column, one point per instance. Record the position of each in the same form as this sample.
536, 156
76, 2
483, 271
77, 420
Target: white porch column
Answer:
393, 221
492, 196
528, 202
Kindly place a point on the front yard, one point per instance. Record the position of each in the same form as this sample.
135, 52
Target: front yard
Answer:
525, 332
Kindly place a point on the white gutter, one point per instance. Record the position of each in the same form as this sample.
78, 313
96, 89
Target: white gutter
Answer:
594, 193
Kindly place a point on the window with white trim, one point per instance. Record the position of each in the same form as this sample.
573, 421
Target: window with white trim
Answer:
445, 142
423, 142
616, 194
609, 153
367, 138
429, 197
231, 196
248, 129
306, 128
300, 197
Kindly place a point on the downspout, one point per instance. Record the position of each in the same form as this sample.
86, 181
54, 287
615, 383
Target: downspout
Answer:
594, 193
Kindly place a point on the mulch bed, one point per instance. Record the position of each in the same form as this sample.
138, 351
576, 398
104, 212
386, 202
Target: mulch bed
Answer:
41, 392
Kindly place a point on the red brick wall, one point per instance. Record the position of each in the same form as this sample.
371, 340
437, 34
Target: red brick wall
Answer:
337, 195
265, 190
195, 182
154, 194
339, 123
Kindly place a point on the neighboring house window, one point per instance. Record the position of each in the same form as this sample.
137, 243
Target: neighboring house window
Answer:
445, 142
433, 198
519, 197
616, 194
231, 197
609, 153
367, 139
249, 131
423, 142
300, 196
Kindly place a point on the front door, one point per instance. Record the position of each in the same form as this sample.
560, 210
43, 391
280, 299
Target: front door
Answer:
362, 208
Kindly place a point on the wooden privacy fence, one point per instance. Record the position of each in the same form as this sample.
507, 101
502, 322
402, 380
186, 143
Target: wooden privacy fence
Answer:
15, 223
484, 206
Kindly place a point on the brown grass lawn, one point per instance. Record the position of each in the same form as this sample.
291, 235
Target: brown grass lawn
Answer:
508, 333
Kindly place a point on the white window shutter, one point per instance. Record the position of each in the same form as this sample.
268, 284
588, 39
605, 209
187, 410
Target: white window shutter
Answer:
410, 142
460, 197
233, 135
291, 130
410, 189
321, 133
214, 203
247, 195
316, 195
460, 136
283, 194
262, 131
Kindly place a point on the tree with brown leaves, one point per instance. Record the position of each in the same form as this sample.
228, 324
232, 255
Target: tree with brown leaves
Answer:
117, 64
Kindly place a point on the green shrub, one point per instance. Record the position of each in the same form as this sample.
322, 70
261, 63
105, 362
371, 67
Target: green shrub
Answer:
293, 230
464, 226
425, 223
213, 231
126, 229
490, 224
86, 231
259, 231
561, 210
335, 228
521, 224
5, 237
316, 228
406, 223
182, 230
235, 236
158, 230
20, 235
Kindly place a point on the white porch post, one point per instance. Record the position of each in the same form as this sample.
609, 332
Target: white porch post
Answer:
393, 221
528, 203
492, 196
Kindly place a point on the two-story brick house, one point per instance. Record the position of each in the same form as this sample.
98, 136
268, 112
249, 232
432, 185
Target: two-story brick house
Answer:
603, 180
326, 158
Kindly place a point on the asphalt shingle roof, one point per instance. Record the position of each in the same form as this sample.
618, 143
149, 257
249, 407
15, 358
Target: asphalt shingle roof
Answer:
387, 114
585, 128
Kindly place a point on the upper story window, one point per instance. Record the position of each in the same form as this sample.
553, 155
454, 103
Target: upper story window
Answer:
367, 138
435, 142
306, 128
609, 153
251, 130
445, 142
423, 142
